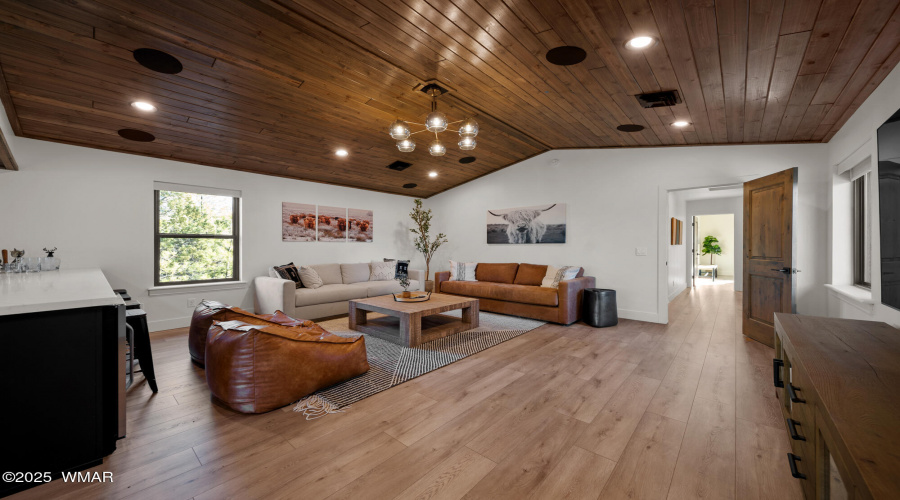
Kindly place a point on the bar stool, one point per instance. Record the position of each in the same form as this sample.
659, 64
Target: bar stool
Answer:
139, 339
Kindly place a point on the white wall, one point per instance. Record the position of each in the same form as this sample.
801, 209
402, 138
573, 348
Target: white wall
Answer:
722, 227
733, 205
618, 200
97, 208
857, 140
676, 257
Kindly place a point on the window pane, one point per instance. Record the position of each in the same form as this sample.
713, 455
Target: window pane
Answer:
195, 259
192, 213
867, 233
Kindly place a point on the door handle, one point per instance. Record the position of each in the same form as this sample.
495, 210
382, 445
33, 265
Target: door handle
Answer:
792, 430
776, 373
785, 270
793, 394
792, 460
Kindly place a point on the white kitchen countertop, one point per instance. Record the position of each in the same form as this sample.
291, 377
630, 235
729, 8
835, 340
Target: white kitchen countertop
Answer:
53, 290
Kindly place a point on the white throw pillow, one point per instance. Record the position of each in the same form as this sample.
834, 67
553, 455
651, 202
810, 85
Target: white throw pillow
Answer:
382, 271
462, 271
556, 274
273, 273
309, 277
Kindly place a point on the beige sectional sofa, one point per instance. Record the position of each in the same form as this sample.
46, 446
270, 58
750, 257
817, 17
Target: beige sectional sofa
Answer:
341, 283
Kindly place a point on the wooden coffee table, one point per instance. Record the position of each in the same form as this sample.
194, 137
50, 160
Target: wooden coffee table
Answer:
418, 322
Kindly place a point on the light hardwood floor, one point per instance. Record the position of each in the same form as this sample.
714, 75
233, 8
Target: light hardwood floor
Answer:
684, 410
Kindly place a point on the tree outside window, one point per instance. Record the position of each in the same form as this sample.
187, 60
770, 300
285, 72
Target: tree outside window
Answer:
196, 238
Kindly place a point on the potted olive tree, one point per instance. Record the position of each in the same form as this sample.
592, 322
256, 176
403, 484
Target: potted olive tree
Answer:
422, 241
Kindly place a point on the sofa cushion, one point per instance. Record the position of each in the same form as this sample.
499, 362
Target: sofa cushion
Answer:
330, 273
402, 267
326, 294
462, 271
496, 273
530, 274
502, 291
354, 273
289, 272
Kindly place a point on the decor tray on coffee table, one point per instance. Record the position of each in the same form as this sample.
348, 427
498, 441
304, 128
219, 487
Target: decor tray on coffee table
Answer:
418, 322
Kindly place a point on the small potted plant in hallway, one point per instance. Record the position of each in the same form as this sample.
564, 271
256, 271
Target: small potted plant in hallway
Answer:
711, 247
422, 241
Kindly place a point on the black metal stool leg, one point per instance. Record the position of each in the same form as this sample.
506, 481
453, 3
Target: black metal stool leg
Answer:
142, 350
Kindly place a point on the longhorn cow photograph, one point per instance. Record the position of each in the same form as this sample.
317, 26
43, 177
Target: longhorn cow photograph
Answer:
537, 224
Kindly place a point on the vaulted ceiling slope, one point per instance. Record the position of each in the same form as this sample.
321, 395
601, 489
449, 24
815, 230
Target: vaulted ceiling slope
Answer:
276, 86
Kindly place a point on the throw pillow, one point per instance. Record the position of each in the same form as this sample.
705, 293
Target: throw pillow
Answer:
462, 271
556, 274
310, 277
382, 271
402, 267
289, 272
273, 273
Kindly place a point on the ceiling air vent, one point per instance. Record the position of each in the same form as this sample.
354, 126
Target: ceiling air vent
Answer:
659, 99
399, 166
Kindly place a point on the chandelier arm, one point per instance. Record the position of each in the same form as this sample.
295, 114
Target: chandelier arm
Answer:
420, 131
454, 123
414, 123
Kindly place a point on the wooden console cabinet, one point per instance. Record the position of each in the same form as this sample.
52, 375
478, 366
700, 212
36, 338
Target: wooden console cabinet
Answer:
838, 382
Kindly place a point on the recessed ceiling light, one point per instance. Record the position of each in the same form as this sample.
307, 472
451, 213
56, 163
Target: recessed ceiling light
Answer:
341, 152
432, 174
641, 42
680, 123
143, 106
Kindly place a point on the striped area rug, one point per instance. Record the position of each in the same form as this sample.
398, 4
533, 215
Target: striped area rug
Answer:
391, 364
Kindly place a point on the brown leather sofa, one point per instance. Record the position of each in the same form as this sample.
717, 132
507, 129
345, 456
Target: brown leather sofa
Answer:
515, 289
255, 368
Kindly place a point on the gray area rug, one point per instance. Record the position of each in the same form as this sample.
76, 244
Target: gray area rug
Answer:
392, 364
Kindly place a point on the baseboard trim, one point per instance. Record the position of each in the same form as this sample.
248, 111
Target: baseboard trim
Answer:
168, 324
677, 292
649, 317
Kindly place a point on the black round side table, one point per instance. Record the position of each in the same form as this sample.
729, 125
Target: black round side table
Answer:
599, 307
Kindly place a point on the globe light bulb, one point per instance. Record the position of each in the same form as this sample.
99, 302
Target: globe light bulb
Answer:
406, 145
436, 122
436, 148
467, 143
399, 130
468, 128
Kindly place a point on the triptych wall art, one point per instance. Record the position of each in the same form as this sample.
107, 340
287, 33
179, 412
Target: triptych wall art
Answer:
304, 222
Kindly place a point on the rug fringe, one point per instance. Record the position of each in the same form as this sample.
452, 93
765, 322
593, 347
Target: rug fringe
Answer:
316, 406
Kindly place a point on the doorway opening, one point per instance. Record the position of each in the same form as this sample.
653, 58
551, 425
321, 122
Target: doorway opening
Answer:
714, 249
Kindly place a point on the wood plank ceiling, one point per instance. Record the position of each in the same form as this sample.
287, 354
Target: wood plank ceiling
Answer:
276, 86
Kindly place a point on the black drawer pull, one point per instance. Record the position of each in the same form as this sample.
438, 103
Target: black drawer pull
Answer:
793, 394
792, 430
777, 364
793, 459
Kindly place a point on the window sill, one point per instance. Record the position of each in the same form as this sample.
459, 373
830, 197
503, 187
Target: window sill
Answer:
179, 289
857, 297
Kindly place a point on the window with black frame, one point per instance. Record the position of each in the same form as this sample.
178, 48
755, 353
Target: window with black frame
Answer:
197, 235
862, 238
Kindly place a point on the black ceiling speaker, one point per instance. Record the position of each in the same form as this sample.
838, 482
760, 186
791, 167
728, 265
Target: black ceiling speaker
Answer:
566, 55
157, 60
136, 135
410, 185
659, 99
467, 159
630, 127
399, 166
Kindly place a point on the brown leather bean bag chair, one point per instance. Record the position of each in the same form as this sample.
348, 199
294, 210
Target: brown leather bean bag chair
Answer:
209, 310
256, 368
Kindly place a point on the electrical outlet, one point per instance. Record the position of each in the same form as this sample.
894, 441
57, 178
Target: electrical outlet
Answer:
192, 302
640, 251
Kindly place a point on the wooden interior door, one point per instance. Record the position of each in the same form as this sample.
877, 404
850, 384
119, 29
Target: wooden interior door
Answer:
769, 274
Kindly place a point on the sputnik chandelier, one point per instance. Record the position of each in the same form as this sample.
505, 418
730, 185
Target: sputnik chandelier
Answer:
435, 122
